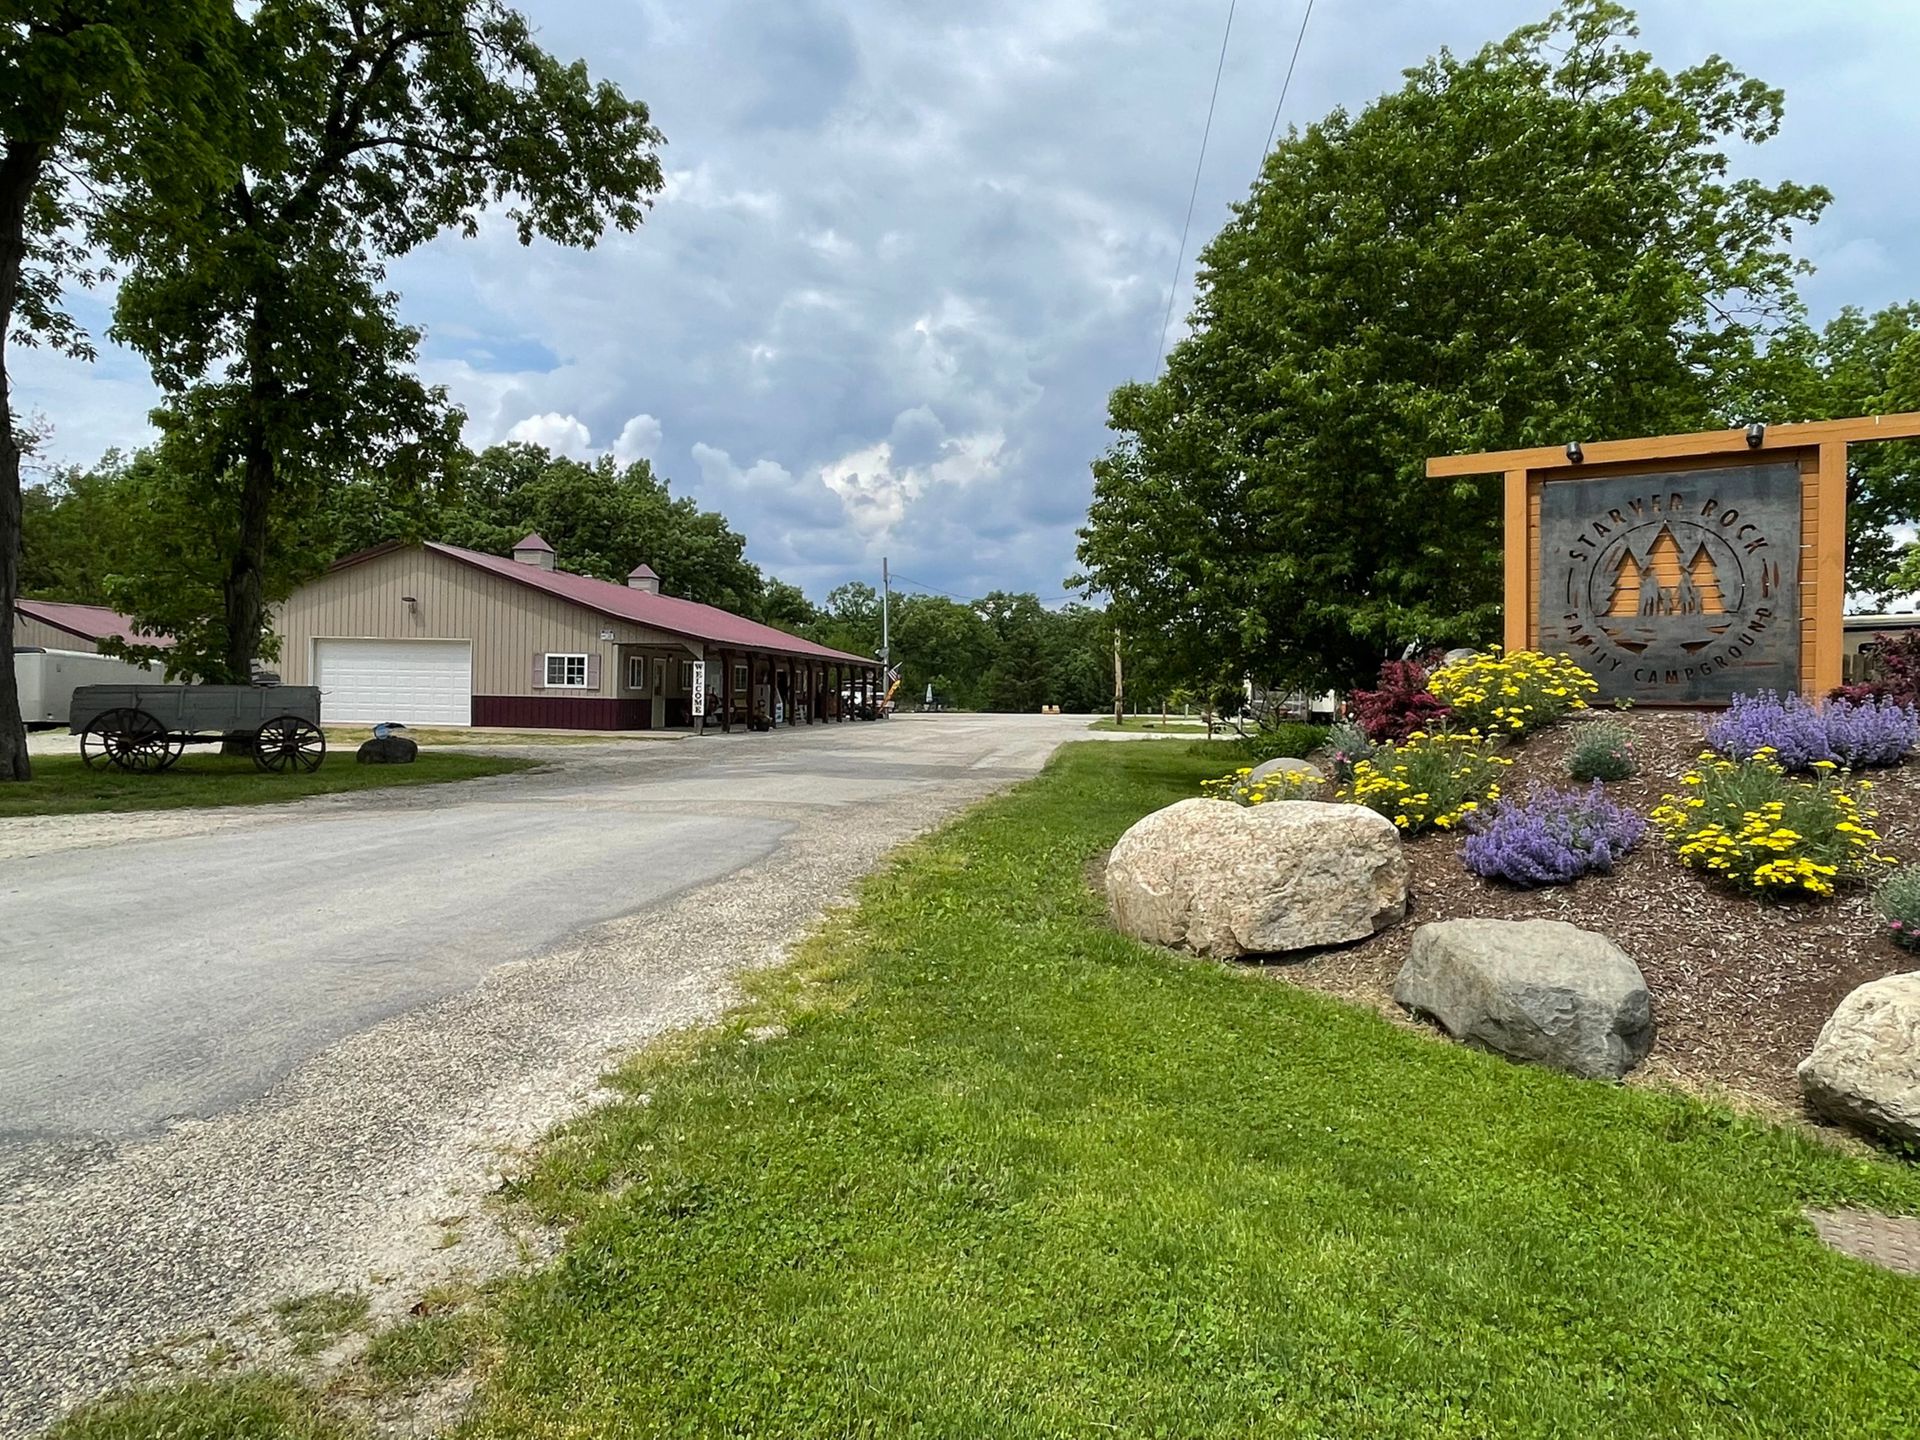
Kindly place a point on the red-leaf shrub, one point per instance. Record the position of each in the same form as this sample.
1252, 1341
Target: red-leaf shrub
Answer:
1898, 661
1401, 705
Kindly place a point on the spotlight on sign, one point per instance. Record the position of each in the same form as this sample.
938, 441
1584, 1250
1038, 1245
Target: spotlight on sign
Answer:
1756, 434
1574, 453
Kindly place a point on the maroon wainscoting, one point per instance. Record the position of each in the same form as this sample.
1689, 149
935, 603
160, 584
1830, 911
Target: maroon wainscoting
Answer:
559, 712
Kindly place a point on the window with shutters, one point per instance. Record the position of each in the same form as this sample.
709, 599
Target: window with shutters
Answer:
566, 672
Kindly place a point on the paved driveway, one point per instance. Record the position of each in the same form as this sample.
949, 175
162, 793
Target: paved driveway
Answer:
250, 1052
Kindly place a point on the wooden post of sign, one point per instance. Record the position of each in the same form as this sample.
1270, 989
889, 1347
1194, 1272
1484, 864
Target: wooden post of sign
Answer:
1830, 567
1520, 563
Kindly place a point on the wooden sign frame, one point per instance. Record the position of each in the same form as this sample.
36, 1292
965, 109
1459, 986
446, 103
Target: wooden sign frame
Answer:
1820, 449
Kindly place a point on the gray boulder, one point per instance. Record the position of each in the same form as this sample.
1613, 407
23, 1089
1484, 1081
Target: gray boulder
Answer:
1539, 990
1865, 1067
1228, 880
387, 750
1288, 765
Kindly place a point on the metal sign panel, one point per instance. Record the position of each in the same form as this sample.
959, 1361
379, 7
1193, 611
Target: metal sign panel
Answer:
1679, 587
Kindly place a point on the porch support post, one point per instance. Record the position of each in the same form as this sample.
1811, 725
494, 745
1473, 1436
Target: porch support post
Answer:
726, 691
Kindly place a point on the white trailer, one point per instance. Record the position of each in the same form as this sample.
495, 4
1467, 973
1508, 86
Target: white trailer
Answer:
48, 678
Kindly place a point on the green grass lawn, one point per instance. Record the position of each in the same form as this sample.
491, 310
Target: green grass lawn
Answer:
1008, 1174
63, 785
1149, 724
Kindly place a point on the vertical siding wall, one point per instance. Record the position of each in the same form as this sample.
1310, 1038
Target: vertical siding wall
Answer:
35, 632
508, 624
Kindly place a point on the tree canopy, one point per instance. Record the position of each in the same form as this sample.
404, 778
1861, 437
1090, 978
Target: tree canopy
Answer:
372, 126
114, 103
1538, 243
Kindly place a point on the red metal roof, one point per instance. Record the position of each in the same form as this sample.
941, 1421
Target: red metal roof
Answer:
88, 622
662, 612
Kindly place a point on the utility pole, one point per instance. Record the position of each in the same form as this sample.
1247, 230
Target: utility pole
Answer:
886, 598
1119, 684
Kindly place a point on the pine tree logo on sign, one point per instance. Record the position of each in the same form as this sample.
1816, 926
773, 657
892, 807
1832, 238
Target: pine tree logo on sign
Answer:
1675, 587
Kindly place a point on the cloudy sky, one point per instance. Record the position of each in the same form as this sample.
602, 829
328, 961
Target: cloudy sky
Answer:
907, 249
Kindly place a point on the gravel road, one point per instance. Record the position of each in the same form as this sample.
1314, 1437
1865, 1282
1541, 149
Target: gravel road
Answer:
316, 1089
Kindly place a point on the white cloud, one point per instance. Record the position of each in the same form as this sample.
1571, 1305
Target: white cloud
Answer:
562, 434
878, 487
639, 440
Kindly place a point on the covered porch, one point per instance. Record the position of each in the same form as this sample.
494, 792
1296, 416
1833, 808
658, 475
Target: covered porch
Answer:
759, 689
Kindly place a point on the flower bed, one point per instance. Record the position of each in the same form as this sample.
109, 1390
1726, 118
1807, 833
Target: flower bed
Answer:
1798, 735
1553, 837
1746, 821
1742, 978
1431, 782
1242, 789
1512, 694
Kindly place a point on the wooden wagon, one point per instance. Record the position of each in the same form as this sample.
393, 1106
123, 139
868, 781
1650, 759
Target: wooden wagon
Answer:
144, 728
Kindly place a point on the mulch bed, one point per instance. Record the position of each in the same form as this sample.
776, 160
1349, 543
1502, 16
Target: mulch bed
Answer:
1740, 986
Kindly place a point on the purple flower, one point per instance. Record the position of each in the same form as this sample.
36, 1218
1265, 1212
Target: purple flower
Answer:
1857, 735
1553, 837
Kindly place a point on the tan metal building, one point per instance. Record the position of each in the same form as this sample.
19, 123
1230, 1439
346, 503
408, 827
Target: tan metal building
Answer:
434, 634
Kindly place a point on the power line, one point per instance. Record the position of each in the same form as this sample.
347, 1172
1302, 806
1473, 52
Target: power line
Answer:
1287, 84
1180, 262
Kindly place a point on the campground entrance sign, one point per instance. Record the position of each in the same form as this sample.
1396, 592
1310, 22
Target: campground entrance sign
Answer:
1677, 586
1683, 569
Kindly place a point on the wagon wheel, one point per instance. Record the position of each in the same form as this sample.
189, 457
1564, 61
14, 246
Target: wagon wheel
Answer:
287, 743
130, 740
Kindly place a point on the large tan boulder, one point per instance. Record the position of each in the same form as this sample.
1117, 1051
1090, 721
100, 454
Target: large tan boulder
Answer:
1865, 1067
1229, 880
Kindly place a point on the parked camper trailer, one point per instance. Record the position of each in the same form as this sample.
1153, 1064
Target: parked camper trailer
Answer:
48, 678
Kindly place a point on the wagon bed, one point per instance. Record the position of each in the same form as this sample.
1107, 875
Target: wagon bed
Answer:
147, 727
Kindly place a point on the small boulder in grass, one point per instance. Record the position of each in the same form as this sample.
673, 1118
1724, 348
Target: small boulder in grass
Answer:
387, 750
1537, 990
1865, 1067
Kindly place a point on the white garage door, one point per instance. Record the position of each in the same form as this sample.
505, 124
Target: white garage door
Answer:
418, 682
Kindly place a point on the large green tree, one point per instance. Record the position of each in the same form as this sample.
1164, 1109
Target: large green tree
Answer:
77, 532
373, 126
1536, 244
103, 103
602, 519
1859, 364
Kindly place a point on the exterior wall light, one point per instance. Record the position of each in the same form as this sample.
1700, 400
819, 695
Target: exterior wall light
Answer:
1756, 434
412, 604
1574, 453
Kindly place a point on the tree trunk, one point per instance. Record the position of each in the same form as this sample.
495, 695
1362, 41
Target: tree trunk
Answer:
244, 590
20, 167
